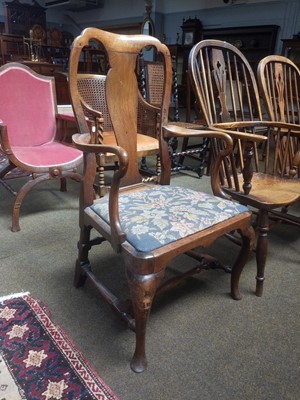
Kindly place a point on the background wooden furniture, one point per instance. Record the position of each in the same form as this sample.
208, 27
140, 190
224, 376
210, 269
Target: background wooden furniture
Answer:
21, 17
17, 48
43, 68
255, 42
151, 87
225, 85
12, 48
291, 49
279, 83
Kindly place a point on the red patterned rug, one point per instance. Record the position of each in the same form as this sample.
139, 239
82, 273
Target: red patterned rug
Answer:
38, 361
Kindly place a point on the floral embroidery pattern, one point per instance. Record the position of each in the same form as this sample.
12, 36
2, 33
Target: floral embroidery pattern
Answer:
157, 216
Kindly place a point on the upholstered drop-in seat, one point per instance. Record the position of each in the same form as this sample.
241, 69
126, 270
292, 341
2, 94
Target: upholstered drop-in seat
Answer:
158, 216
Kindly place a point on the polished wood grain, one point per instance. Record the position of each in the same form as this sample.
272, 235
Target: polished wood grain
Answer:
226, 88
144, 270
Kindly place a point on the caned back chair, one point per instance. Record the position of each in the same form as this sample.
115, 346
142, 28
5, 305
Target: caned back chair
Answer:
279, 84
226, 89
92, 90
148, 225
28, 132
152, 76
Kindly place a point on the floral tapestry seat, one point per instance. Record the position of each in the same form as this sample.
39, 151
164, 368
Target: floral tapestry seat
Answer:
161, 215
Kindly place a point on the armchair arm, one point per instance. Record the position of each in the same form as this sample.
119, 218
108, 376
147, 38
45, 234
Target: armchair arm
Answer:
295, 128
178, 131
82, 142
229, 137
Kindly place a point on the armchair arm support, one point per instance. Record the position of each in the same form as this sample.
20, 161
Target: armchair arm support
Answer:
170, 131
82, 142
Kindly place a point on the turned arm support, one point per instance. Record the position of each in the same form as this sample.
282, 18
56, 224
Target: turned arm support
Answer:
228, 136
170, 131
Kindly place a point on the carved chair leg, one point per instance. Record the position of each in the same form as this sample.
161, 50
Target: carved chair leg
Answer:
63, 184
248, 238
82, 260
101, 180
261, 250
20, 197
6, 169
142, 289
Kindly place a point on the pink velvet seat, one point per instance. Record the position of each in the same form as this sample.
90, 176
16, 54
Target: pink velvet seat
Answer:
28, 131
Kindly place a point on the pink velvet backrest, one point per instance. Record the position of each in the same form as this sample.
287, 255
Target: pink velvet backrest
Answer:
27, 105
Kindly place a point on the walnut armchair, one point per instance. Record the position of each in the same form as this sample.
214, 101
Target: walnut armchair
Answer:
279, 84
28, 133
147, 224
226, 89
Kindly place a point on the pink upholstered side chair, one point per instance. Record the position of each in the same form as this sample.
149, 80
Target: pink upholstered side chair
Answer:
28, 130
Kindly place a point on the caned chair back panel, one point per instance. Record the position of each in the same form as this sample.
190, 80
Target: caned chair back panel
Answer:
91, 88
154, 74
151, 89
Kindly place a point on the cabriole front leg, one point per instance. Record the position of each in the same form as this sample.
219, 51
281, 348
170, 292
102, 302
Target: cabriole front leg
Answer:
248, 238
142, 289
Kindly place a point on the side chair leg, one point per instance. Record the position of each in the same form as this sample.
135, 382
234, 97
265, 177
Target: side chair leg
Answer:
261, 250
20, 197
142, 289
82, 260
248, 238
63, 184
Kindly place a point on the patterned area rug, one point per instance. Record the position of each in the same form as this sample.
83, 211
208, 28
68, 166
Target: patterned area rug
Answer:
38, 361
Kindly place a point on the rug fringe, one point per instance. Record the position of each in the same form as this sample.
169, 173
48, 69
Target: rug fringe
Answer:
14, 295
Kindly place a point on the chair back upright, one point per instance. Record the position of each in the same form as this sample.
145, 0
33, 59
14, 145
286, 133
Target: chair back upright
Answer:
31, 122
279, 82
121, 90
226, 88
224, 83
